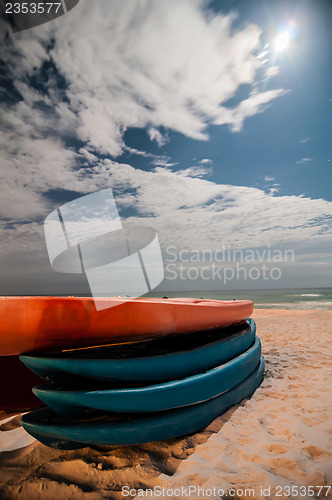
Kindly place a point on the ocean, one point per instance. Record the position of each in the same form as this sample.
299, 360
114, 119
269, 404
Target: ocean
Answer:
291, 298
297, 298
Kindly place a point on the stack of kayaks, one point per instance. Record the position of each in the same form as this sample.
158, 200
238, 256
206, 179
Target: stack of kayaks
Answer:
173, 366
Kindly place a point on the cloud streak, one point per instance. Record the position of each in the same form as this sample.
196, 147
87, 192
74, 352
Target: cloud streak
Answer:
304, 160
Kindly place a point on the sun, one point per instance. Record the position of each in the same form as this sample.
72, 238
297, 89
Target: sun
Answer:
282, 41
286, 35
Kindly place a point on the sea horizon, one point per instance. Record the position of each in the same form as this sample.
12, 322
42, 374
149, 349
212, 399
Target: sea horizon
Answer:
283, 298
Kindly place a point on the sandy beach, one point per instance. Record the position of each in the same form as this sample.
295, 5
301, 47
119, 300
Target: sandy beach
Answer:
278, 439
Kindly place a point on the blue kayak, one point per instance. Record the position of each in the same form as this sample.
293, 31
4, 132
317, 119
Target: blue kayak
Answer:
167, 358
156, 397
109, 429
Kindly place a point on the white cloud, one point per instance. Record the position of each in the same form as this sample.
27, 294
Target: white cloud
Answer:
205, 161
90, 157
262, 54
129, 64
304, 160
303, 141
157, 136
198, 213
269, 179
157, 160
271, 71
256, 103
191, 212
29, 167
138, 152
163, 163
195, 171
132, 67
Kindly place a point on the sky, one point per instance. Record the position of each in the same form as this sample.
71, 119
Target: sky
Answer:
210, 121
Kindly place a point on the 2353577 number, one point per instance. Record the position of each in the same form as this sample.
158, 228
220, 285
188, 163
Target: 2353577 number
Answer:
303, 491
32, 8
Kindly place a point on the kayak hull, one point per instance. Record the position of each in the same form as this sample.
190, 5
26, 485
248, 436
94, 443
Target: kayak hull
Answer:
156, 397
110, 429
30, 324
166, 358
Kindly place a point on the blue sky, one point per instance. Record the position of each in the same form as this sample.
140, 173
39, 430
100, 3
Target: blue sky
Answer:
205, 123
291, 141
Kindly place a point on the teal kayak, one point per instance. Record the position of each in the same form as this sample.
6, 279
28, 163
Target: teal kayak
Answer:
156, 397
110, 429
166, 358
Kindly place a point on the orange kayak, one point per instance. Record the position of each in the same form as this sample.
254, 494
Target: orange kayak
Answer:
30, 324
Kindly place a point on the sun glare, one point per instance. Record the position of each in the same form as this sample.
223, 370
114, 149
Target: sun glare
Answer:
282, 41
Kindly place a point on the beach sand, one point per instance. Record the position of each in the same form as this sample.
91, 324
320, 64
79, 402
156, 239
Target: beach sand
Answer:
279, 438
